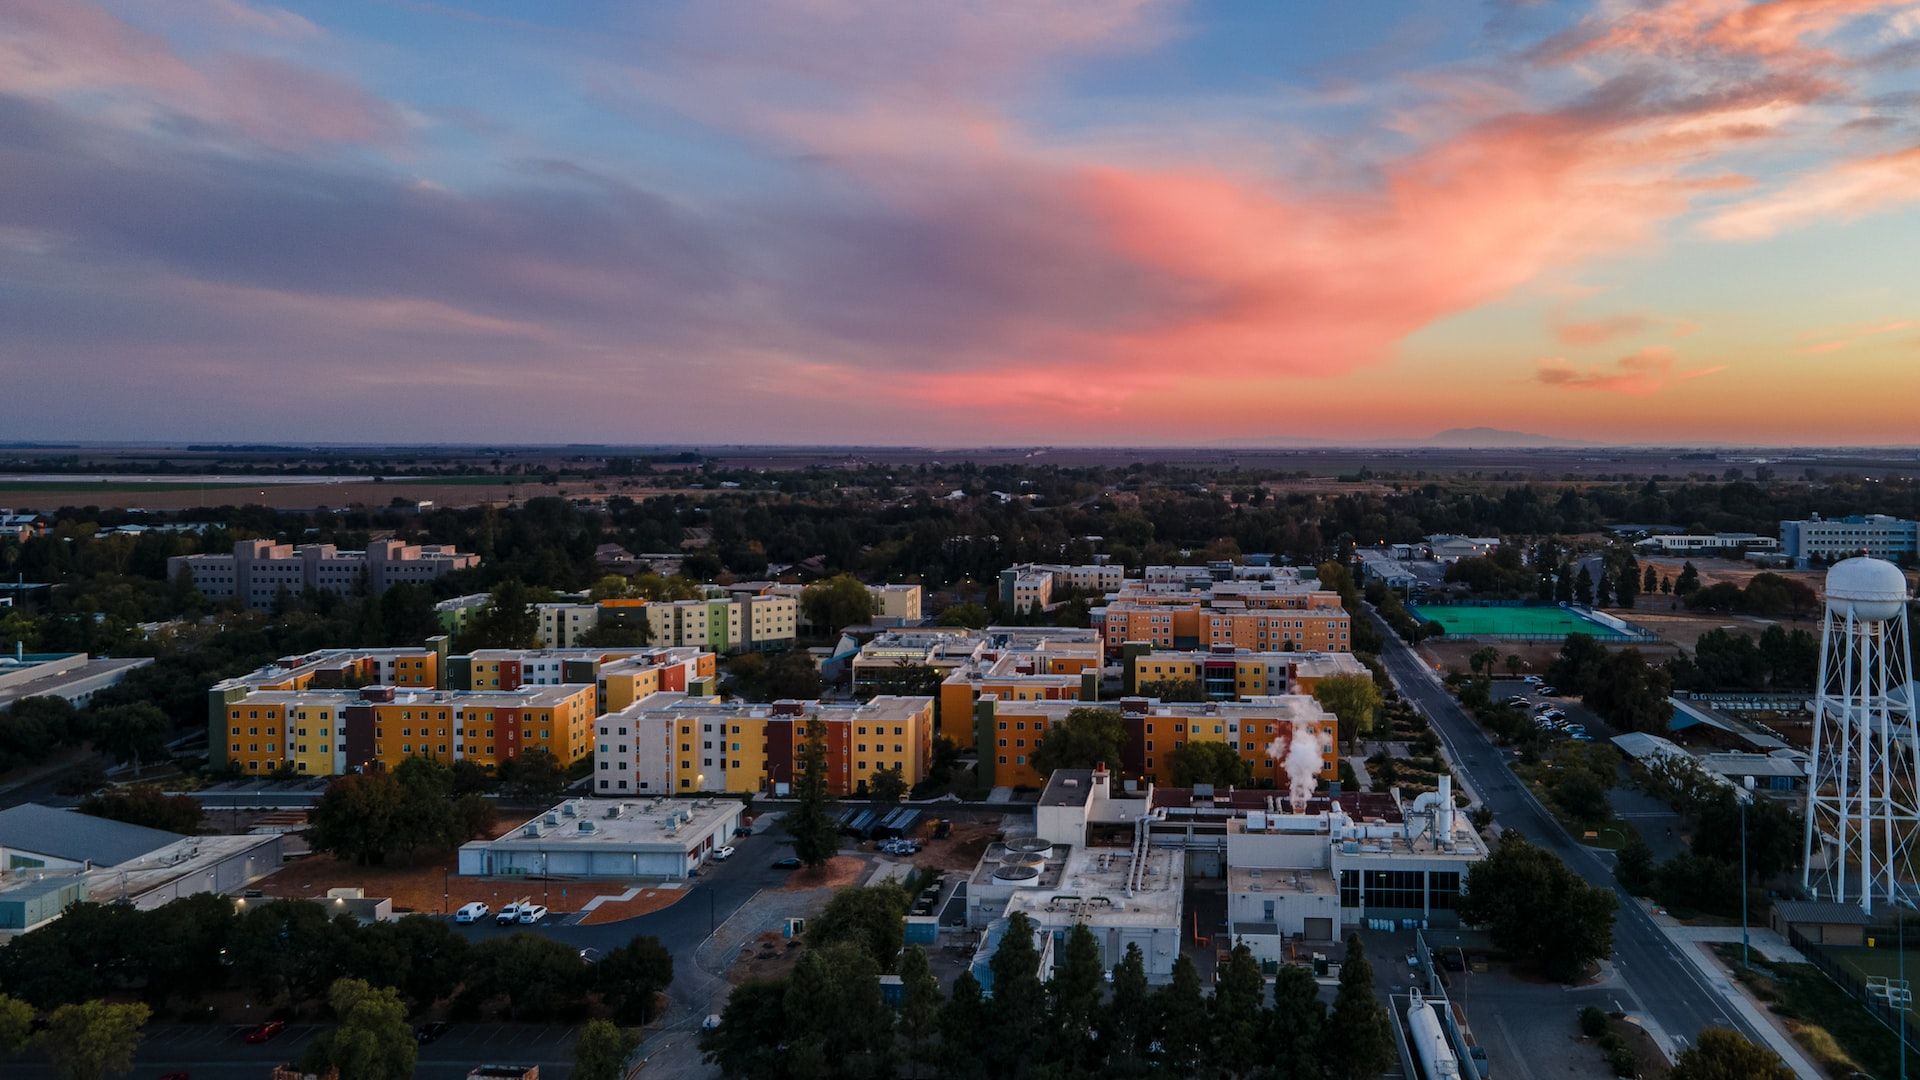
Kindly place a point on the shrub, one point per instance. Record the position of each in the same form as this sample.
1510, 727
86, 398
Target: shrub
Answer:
1593, 1022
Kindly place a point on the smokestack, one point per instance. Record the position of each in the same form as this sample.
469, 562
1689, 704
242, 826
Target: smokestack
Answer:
1443, 811
1299, 754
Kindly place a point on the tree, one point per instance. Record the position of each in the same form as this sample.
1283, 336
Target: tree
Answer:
372, 1041
1172, 690
836, 1023
837, 602
963, 1023
1075, 993
1019, 1005
747, 1042
130, 734
1354, 700
92, 1040
1650, 580
868, 916
1239, 1036
1124, 1028
288, 948
1577, 667
1214, 763
632, 976
1631, 693
146, 804
1358, 1041
1583, 587
1634, 867
919, 1005
971, 616
1515, 664
1483, 659
1719, 1054
1627, 583
601, 1052
533, 776
810, 823
610, 587
1603, 592
537, 976
507, 621
1580, 793
1180, 1013
1297, 1023
1563, 584
1085, 737
16, 1024
1688, 582
887, 785
1538, 910
357, 817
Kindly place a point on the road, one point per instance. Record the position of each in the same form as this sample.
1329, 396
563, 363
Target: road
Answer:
1669, 989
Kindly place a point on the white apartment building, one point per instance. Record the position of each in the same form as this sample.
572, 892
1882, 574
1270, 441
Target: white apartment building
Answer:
259, 570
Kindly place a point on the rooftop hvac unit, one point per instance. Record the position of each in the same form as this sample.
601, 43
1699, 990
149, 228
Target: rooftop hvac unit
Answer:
569, 809
532, 830
551, 819
586, 826
614, 810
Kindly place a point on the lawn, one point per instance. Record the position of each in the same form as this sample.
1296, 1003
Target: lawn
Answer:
1875, 962
1833, 1028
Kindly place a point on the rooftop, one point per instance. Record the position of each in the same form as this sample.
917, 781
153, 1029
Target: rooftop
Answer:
642, 823
77, 837
1092, 886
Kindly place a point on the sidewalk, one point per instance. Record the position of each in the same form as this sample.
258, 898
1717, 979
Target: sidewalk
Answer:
1691, 941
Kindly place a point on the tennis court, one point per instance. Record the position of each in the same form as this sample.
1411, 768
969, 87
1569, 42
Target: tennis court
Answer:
1517, 622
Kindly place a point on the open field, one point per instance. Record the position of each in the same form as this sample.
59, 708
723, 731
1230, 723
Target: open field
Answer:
1683, 628
344, 492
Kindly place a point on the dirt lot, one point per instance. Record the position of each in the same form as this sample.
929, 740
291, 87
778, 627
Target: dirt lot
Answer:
839, 871
1737, 571
961, 849
1683, 628
768, 956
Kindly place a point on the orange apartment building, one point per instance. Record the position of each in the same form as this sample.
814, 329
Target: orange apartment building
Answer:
1302, 620
675, 743
1228, 674
342, 709
1007, 732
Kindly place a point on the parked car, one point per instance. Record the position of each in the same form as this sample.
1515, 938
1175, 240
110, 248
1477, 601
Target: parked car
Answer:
473, 912
1532, 680
1517, 699
1581, 736
1543, 707
589, 956
788, 863
429, 1032
722, 854
531, 914
1547, 691
711, 1022
262, 1032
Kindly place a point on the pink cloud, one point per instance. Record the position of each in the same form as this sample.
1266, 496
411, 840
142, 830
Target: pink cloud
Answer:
1848, 337
62, 49
1645, 372
1849, 189
1598, 331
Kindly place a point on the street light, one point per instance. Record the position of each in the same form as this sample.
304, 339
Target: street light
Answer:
1747, 781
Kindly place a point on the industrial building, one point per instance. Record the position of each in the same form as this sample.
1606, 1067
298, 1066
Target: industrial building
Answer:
52, 858
683, 743
1732, 544
1819, 539
73, 676
258, 571
609, 838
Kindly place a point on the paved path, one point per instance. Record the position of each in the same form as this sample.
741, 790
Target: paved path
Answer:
1678, 1002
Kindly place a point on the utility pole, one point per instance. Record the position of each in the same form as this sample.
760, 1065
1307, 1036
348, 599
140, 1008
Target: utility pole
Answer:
1744, 962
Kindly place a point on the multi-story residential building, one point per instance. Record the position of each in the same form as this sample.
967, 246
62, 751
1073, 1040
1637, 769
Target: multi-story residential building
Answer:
452, 615
1007, 732
1031, 586
259, 570
1019, 664
720, 621
675, 743
1256, 568
1229, 674
336, 693
1819, 539
909, 653
893, 605
324, 732
1232, 614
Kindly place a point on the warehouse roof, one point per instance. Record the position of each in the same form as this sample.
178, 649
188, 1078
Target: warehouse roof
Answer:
75, 837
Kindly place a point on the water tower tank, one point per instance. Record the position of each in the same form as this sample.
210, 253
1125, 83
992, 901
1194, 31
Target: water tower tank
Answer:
1874, 588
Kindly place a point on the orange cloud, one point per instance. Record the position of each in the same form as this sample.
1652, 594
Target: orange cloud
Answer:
1598, 331
1645, 372
1851, 336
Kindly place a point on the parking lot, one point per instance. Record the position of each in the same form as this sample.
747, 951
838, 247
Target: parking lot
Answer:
221, 1052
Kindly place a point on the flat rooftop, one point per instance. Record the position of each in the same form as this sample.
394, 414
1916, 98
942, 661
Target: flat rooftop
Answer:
1067, 787
1092, 888
525, 697
1281, 882
641, 823
38, 680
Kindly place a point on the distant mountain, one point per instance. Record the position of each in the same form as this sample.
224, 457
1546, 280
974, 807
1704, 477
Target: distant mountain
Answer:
1493, 439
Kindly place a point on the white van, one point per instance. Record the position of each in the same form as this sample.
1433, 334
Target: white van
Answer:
532, 913
508, 913
473, 912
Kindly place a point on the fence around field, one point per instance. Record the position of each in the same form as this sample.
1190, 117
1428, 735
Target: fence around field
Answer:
1597, 624
1849, 979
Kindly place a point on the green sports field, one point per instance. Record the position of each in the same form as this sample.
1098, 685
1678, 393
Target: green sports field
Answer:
1870, 962
1467, 620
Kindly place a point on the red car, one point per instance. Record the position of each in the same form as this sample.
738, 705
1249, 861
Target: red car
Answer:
266, 1031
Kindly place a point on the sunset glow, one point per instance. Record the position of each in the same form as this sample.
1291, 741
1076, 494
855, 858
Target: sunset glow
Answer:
1067, 221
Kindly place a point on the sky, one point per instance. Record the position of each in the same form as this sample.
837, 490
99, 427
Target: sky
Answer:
1106, 222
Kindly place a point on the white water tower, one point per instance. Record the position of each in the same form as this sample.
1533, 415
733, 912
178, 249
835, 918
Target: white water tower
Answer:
1863, 801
